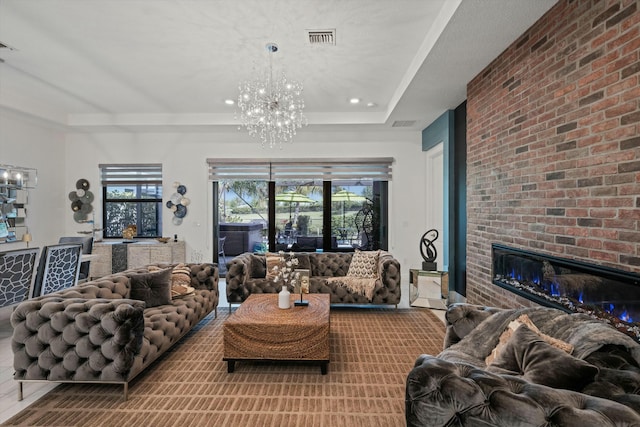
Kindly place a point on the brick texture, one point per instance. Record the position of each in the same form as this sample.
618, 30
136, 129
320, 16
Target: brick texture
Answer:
553, 161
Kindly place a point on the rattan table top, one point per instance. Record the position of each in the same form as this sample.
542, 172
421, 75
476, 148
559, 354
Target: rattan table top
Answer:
258, 329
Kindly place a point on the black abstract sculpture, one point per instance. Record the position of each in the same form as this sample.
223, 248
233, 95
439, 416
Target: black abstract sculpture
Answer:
428, 250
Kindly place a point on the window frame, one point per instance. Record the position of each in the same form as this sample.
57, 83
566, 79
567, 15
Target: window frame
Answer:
137, 176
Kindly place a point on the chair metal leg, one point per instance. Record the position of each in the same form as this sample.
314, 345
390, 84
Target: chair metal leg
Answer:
126, 391
20, 397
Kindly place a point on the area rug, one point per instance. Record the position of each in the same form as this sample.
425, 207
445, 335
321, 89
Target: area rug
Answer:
372, 351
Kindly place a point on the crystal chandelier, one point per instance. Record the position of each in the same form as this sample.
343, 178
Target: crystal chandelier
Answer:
271, 109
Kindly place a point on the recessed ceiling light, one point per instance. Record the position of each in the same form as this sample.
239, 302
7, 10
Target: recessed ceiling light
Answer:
371, 104
229, 101
354, 100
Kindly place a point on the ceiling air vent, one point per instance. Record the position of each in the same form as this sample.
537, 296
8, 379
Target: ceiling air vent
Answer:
403, 123
6, 46
321, 36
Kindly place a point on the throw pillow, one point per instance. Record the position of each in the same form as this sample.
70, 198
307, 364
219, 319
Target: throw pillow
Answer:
154, 288
528, 355
304, 262
502, 341
364, 264
181, 275
257, 266
181, 281
272, 260
180, 291
564, 346
525, 320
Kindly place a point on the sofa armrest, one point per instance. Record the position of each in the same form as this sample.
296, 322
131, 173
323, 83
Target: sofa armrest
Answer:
461, 319
442, 393
77, 339
238, 272
389, 270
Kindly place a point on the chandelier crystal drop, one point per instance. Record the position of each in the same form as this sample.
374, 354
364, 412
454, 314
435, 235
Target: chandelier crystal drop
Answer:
271, 109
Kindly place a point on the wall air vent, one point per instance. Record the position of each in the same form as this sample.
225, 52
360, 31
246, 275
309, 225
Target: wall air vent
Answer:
403, 123
321, 37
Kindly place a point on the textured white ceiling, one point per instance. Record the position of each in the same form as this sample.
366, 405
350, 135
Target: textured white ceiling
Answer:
150, 64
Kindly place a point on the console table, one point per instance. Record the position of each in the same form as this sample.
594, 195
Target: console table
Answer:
114, 257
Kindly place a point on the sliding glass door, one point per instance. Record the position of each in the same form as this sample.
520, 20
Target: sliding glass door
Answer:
255, 216
298, 213
305, 205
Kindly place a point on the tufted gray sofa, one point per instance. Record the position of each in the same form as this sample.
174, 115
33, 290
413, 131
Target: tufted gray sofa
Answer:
246, 274
458, 388
94, 333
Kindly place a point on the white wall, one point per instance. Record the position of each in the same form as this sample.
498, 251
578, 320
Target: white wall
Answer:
35, 144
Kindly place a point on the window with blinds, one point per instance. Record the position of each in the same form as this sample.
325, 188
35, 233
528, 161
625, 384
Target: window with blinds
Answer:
340, 204
132, 196
363, 169
114, 174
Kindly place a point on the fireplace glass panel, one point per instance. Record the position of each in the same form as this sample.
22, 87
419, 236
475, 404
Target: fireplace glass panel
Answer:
572, 286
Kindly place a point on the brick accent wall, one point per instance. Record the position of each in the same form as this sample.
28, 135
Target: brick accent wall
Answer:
553, 140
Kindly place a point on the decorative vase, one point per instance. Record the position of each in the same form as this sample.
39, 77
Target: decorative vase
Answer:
283, 298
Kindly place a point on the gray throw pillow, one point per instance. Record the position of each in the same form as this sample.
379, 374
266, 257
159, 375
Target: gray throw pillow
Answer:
528, 355
303, 262
153, 288
258, 267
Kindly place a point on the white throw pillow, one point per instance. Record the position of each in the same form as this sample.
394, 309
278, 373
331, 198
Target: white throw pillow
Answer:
364, 264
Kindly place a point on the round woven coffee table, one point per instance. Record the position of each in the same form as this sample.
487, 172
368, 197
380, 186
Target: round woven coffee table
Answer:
259, 330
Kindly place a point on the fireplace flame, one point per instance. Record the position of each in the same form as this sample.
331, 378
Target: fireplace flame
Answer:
603, 293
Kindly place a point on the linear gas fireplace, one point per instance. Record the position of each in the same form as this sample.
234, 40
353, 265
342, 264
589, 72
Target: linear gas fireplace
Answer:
573, 286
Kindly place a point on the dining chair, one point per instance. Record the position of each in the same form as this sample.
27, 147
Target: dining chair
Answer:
58, 268
87, 247
16, 275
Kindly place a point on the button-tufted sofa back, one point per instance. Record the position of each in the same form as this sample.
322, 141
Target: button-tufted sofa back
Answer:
246, 275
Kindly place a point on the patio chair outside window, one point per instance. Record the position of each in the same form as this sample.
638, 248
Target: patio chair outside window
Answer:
221, 241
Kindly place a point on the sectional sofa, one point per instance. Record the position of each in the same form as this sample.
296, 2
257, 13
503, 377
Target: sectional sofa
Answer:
110, 329
526, 367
